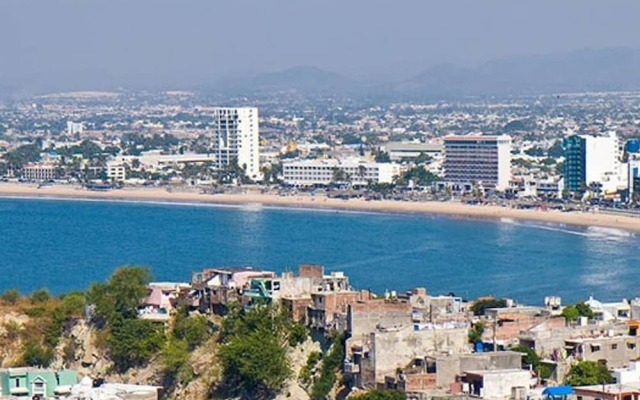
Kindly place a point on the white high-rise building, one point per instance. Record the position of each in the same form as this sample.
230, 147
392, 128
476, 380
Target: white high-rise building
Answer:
236, 138
594, 162
74, 127
478, 160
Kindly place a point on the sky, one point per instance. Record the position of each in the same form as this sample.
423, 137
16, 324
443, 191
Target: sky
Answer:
88, 44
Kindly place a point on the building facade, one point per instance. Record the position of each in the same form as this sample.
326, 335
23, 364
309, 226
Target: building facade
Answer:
592, 162
39, 172
411, 150
478, 160
116, 171
236, 139
323, 172
29, 382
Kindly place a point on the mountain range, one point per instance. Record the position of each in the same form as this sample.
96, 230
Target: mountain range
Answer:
610, 69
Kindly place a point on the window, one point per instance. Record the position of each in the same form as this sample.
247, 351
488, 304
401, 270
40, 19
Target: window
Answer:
614, 346
17, 382
631, 346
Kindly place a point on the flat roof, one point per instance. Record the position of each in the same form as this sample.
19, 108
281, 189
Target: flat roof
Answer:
475, 138
496, 371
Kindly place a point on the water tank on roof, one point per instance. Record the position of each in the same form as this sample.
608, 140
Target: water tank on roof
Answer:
633, 146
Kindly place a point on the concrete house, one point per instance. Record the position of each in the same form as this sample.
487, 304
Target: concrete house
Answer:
29, 382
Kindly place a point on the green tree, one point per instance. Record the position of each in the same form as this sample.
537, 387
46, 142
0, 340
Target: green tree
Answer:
132, 342
192, 330
73, 305
584, 310
339, 176
121, 295
35, 355
480, 306
298, 333
535, 151
530, 358
10, 296
254, 352
40, 296
175, 356
556, 150
382, 156
588, 373
476, 332
420, 176
381, 395
573, 312
331, 364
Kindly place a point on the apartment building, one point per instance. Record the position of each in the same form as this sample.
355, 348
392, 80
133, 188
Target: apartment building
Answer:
236, 139
477, 160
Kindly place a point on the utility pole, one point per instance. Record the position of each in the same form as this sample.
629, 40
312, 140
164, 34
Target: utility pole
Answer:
495, 326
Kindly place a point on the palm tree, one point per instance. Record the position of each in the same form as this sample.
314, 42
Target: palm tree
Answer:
362, 170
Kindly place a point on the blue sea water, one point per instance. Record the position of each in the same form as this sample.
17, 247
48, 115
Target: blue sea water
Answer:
65, 245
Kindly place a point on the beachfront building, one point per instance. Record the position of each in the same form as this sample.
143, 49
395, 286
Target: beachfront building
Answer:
155, 161
633, 168
306, 173
39, 172
593, 163
477, 160
236, 139
116, 171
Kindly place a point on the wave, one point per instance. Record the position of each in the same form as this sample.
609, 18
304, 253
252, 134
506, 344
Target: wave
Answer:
591, 232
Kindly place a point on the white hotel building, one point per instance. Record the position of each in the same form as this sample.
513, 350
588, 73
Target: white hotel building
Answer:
236, 138
321, 172
478, 160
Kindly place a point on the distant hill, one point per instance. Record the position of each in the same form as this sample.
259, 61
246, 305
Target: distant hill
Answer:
301, 79
612, 69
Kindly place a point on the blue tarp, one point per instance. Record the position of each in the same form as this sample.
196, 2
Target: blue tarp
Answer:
557, 391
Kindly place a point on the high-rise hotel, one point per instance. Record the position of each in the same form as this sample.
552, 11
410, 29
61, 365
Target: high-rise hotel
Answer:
236, 138
478, 160
593, 162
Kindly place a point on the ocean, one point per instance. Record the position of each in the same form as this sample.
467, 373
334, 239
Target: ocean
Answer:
66, 245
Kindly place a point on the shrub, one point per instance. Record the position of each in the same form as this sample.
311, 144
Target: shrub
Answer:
10, 296
330, 365
381, 395
306, 371
476, 332
588, 373
12, 330
193, 330
254, 352
73, 305
132, 342
34, 355
175, 355
40, 296
298, 333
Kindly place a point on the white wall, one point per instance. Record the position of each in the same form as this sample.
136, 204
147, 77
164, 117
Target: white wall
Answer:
602, 161
504, 162
500, 385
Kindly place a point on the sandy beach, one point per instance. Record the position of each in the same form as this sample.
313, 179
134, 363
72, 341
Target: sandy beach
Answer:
321, 202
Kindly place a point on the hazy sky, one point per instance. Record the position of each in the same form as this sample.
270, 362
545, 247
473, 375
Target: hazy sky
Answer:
181, 42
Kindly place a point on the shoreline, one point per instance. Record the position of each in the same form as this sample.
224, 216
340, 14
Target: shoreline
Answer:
307, 202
